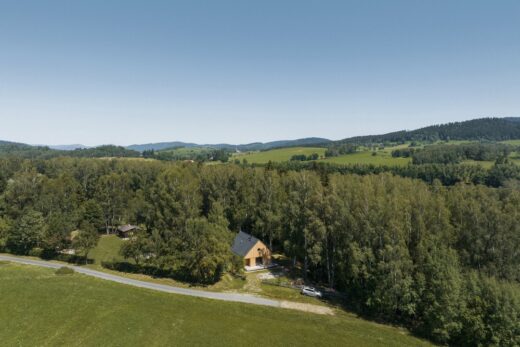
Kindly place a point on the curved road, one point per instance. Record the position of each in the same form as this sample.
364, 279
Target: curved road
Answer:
244, 298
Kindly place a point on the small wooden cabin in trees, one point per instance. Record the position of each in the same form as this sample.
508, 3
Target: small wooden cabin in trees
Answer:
254, 252
126, 231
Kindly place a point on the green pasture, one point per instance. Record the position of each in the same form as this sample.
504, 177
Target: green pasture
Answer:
40, 308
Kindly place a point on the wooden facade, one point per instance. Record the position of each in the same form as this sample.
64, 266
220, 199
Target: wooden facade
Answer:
254, 252
258, 255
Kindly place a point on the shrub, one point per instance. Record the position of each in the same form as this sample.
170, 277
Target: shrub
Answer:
35, 252
64, 271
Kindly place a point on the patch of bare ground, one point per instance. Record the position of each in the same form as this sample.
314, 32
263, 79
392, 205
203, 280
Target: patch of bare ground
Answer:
307, 307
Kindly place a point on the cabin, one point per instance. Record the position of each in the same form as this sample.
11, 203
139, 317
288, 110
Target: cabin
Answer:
126, 231
255, 253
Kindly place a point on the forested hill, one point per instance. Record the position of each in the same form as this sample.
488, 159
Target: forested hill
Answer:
490, 129
19, 150
12, 144
255, 146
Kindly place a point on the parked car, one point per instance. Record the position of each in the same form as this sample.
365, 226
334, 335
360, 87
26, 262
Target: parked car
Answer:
309, 291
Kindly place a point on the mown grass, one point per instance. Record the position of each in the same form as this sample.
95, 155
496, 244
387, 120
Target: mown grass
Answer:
107, 250
41, 308
278, 155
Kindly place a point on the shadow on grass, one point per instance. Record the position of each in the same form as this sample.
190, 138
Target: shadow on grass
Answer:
156, 272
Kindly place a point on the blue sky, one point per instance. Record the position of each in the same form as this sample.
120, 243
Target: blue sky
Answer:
124, 72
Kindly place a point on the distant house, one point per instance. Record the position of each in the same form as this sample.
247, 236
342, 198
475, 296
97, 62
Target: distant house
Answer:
126, 231
254, 252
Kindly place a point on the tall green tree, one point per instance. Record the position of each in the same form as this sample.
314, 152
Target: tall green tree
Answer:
27, 232
86, 240
113, 193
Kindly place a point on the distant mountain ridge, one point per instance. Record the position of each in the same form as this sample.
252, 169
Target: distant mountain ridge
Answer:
255, 146
68, 147
482, 129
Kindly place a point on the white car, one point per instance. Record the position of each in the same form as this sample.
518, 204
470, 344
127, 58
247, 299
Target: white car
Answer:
309, 291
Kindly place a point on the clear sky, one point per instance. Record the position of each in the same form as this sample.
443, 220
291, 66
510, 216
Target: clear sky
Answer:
123, 72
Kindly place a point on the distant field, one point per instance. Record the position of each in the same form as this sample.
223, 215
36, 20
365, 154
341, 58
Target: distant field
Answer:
40, 308
512, 142
187, 150
278, 155
484, 164
383, 157
366, 157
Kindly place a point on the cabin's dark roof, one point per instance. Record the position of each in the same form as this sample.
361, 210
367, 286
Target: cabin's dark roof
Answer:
243, 243
127, 228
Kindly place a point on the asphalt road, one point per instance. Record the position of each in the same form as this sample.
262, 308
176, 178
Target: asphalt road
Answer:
244, 298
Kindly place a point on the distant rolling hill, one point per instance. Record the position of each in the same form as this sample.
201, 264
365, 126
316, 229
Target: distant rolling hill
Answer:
490, 129
12, 144
487, 129
68, 147
160, 146
256, 146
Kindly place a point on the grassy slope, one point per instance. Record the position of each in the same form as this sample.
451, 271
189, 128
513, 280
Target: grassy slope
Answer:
278, 155
40, 308
383, 157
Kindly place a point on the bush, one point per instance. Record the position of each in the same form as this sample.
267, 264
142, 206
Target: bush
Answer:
36, 252
64, 271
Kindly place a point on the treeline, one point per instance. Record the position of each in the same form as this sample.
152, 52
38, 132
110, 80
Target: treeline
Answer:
106, 151
499, 175
303, 157
454, 154
443, 261
198, 154
35, 152
336, 150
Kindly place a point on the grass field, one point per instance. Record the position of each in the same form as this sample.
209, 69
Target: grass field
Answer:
277, 155
187, 151
364, 156
383, 157
107, 250
40, 308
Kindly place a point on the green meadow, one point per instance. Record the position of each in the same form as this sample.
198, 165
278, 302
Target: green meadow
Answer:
363, 156
278, 155
40, 308
382, 157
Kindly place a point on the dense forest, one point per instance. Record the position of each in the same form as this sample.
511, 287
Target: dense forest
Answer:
441, 259
488, 129
501, 174
454, 154
199, 154
16, 150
